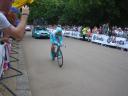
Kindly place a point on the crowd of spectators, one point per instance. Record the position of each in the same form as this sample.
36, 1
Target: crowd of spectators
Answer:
113, 31
103, 29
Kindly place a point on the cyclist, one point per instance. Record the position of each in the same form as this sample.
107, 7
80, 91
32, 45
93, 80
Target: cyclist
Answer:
56, 39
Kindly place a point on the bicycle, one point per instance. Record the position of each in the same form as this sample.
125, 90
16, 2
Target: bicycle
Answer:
58, 54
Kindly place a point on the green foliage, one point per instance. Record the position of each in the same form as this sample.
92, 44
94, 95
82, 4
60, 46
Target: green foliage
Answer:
80, 12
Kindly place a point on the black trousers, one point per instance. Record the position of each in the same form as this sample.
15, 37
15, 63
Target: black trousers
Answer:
84, 37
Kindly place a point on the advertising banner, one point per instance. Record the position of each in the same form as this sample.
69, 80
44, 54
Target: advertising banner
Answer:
111, 41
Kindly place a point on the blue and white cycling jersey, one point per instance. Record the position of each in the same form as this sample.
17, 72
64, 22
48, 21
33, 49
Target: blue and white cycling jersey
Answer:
54, 39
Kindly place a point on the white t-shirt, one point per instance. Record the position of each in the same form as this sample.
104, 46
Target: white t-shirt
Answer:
4, 23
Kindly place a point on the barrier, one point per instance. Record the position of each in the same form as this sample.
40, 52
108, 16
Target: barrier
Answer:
110, 41
5, 54
2, 52
100, 38
74, 34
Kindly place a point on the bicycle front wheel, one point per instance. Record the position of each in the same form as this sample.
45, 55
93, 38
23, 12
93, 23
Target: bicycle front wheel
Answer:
60, 58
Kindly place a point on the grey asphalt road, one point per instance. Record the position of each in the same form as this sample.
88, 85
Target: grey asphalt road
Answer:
89, 69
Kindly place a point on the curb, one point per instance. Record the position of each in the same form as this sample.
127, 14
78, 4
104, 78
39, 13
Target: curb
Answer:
22, 82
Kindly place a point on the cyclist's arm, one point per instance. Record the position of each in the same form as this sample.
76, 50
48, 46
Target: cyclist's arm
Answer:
59, 43
51, 38
61, 40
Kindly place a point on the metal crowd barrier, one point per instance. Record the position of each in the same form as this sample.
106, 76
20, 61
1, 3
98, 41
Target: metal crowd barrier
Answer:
6, 51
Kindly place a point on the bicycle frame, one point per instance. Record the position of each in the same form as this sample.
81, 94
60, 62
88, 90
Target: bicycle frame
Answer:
58, 54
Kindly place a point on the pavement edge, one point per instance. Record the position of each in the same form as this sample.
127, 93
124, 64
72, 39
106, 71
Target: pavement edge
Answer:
22, 82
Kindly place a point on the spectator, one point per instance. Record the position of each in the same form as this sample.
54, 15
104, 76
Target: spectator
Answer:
100, 30
88, 33
95, 30
6, 27
106, 28
84, 32
120, 33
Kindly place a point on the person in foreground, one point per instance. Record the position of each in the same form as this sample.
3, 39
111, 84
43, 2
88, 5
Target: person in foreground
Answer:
6, 27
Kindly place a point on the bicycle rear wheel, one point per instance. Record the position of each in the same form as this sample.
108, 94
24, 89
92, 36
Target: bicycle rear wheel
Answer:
60, 58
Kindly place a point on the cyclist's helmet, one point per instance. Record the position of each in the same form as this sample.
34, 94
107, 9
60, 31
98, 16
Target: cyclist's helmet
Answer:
58, 25
58, 29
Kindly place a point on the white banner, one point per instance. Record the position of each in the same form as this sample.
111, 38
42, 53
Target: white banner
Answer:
99, 38
111, 41
67, 33
74, 34
102, 39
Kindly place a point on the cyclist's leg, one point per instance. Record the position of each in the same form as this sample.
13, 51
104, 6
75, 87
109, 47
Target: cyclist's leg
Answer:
52, 51
59, 52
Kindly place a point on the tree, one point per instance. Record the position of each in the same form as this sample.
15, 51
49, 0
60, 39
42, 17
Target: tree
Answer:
81, 12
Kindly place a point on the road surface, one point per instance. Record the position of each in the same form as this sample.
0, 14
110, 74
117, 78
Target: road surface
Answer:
89, 69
